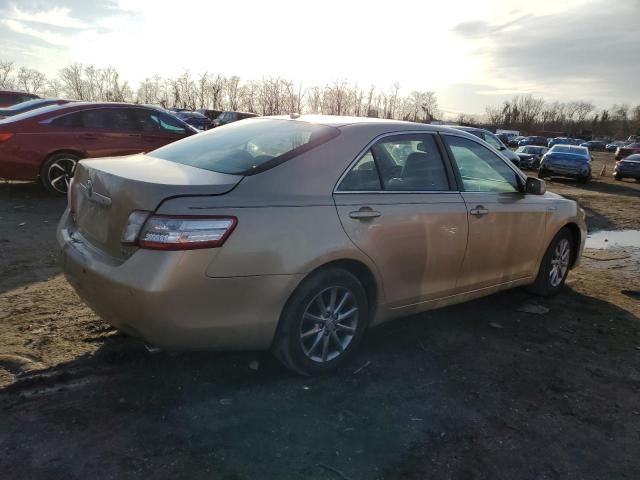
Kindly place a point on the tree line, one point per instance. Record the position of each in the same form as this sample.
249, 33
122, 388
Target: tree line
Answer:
531, 115
267, 96
274, 95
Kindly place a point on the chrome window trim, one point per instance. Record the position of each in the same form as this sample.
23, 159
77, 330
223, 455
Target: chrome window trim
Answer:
364, 151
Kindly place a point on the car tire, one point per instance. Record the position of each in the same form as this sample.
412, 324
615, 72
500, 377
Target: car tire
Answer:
56, 172
542, 174
555, 265
311, 344
617, 177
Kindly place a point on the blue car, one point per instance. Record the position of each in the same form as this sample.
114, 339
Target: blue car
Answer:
613, 146
559, 141
566, 161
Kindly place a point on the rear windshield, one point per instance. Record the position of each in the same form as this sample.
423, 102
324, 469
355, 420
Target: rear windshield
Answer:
247, 147
567, 149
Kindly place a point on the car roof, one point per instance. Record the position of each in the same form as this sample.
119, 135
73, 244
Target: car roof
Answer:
343, 121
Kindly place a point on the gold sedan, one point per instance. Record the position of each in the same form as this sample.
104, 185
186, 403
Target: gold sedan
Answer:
298, 233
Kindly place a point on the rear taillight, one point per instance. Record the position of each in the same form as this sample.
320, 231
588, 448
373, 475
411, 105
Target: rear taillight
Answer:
165, 232
5, 136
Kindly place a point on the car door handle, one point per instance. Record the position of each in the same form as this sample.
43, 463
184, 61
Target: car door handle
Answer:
88, 136
364, 213
479, 211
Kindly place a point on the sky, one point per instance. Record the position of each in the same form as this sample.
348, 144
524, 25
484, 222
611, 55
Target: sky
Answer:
471, 53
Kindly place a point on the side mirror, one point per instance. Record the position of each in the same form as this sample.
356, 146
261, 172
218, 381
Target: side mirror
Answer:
502, 147
535, 186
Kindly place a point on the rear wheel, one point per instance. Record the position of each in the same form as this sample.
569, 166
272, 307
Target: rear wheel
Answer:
322, 323
555, 264
617, 177
57, 171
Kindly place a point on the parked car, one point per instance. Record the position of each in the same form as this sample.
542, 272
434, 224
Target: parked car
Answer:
613, 146
195, 119
45, 144
628, 167
533, 140
514, 141
230, 117
210, 114
594, 145
29, 105
492, 140
566, 161
9, 97
626, 150
265, 234
577, 141
530, 156
559, 141
633, 139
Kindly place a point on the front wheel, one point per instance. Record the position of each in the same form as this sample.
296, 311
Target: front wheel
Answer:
617, 177
322, 323
555, 264
57, 171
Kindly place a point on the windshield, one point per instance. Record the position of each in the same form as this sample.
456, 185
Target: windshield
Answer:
247, 147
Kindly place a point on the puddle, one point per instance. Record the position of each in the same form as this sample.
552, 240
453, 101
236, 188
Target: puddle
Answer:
604, 239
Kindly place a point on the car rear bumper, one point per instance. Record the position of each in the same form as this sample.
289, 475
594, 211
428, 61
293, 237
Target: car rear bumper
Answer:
627, 172
167, 299
564, 171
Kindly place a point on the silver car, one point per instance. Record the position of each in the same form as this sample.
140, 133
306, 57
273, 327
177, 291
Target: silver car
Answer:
298, 234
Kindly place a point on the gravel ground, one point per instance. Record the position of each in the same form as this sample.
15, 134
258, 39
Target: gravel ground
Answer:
482, 390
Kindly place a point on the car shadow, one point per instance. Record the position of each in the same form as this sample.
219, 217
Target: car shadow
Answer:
451, 388
618, 188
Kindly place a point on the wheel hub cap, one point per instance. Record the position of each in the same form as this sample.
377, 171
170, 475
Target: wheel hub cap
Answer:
329, 324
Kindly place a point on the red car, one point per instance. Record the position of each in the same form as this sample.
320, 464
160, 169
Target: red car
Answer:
47, 143
627, 150
8, 98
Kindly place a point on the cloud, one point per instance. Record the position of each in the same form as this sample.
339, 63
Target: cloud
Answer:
591, 51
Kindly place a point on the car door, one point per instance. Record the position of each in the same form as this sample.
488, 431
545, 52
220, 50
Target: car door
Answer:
109, 131
159, 128
505, 225
398, 205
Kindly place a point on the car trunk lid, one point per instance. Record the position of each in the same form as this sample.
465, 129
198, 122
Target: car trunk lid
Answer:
107, 190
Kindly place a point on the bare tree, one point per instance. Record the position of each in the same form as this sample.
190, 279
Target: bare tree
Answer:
6, 74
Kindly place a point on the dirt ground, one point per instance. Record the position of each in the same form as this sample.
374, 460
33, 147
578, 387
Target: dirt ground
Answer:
476, 391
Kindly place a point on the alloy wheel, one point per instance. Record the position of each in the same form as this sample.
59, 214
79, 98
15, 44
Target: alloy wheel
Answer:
329, 324
559, 262
60, 173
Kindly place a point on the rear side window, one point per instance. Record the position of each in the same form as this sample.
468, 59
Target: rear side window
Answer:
399, 163
246, 148
114, 119
73, 120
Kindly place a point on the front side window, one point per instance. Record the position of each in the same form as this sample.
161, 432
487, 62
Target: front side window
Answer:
399, 163
245, 148
171, 124
481, 170
493, 141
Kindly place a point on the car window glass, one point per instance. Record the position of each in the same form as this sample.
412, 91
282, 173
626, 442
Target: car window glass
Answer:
481, 169
113, 119
247, 147
363, 176
493, 141
147, 120
403, 163
73, 120
171, 124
